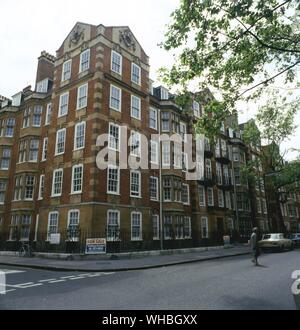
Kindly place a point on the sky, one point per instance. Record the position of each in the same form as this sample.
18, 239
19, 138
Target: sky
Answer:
31, 26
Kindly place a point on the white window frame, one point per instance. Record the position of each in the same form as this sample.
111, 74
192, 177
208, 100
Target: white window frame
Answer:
209, 189
6, 158
82, 123
112, 138
111, 239
221, 198
33, 150
259, 206
208, 168
56, 143
136, 152
73, 178
45, 149
53, 182
206, 226
139, 102
156, 118
134, 194
133, 65
73, 238
67, 95
37, 111
177, 151
265, 206
202, 203
48, 114
48, 226
196, 109
113, 167
140, 238
188, 193
84, 87
81, 60
120, 98
154, 156
189, 220
63, 73
32, 187
183, 131
228, 200
166, 153
155, 218
3, 191
157, 188
121, 62
41, 187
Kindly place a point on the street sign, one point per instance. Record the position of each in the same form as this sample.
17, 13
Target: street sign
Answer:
95, 246
55, 239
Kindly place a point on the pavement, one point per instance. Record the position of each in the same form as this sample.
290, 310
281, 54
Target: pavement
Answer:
134, 262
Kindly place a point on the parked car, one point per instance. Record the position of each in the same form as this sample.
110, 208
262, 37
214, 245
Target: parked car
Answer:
276, 242
296, 239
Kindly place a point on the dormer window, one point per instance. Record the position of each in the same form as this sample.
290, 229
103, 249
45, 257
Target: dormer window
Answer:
42, 86
16, 101
164, 94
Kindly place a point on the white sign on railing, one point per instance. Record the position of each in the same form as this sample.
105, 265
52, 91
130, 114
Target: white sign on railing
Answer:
95, 246
55, 239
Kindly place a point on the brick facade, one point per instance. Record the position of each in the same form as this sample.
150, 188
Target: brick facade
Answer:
191, 222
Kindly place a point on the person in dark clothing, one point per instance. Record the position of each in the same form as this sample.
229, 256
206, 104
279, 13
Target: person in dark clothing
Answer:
255, 246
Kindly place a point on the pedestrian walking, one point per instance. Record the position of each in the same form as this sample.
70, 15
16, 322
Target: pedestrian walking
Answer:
255, 246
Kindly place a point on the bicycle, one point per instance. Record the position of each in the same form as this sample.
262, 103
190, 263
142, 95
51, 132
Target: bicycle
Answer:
25, 250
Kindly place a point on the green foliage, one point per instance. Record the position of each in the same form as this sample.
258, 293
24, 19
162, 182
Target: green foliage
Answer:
275, 120
236, 47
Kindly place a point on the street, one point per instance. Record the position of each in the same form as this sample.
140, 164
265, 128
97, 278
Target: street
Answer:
232, 283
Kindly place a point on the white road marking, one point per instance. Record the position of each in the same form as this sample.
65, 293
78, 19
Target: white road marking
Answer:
48, 280
25, 284
11, 271
6, 291
76, 278
29, 286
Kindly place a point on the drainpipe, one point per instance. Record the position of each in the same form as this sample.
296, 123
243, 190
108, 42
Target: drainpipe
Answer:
160, 184
235, 197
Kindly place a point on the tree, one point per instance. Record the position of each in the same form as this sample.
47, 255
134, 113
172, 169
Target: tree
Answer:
237, 47
276, 123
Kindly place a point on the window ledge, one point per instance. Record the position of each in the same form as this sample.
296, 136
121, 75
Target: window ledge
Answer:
117, 110
113, 194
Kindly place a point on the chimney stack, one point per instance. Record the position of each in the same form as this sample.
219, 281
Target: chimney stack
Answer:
45, 67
